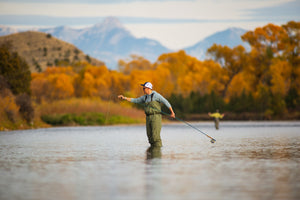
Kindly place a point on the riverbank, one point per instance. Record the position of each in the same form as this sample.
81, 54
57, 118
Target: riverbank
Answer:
245, 117
96, 112
98, 119
73, 112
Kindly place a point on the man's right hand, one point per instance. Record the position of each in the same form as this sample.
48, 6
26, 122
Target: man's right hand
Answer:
121, 97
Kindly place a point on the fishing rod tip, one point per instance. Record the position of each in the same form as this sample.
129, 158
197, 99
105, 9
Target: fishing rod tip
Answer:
213, 140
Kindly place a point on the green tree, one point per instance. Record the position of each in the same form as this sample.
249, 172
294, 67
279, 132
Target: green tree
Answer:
243, 103
15, 71
16, 74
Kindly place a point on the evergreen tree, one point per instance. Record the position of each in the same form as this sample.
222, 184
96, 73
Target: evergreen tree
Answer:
15, 71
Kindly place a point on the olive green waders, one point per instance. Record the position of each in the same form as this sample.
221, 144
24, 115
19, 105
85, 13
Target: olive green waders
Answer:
217, 122
153, 123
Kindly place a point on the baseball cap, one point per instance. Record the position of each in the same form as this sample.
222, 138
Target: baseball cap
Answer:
147, 85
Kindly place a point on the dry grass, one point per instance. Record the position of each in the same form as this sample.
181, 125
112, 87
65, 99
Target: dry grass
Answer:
84, 105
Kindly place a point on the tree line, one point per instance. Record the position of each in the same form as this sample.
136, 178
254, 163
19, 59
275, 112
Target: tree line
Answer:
264, 79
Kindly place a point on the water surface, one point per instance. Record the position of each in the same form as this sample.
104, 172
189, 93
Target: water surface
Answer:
250, 160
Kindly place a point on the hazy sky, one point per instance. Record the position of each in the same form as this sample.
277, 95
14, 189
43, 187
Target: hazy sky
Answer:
174, 23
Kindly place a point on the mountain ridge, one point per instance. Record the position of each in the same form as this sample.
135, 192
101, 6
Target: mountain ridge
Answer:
41, 50
230, 37
109, 41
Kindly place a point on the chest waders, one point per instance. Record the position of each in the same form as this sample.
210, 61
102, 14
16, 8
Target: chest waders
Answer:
217, 123
153, 122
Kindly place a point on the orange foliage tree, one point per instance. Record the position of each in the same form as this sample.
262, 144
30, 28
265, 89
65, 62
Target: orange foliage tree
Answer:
95, 81
188, 74
233, 61
53, 84
266, 43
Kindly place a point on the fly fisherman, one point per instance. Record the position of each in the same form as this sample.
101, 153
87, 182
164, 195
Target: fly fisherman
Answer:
152, 100
216, 116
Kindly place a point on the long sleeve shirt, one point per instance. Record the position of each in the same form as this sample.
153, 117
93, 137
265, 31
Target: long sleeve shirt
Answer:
156, 97
216, 115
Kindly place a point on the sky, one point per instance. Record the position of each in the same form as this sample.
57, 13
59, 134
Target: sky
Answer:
176, 24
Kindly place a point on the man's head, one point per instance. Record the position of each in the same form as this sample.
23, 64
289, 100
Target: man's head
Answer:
147, 87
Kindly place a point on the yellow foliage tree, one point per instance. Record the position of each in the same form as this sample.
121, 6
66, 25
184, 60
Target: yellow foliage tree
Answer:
233, 61
136, 63
8, 108
60, 86
54, 83
88, 85
161, 78
281, 77
266, 43
238, 85
38, 86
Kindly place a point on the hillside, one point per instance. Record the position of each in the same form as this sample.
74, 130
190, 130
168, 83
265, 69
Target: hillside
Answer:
41, 50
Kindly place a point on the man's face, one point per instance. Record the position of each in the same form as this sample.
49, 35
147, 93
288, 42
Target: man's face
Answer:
146, 90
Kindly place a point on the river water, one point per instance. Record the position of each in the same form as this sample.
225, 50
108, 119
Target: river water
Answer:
250, 160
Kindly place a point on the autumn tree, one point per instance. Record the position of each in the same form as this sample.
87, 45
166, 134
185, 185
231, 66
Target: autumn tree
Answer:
264, 46
101, 82
274, 47
53, 84
136, 63
176, 62
291, 43
233, 61
291, 52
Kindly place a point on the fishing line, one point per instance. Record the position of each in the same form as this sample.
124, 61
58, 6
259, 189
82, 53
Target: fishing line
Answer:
107, 112
108, 109
162, 112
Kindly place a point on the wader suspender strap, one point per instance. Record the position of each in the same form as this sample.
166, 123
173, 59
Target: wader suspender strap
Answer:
151, 97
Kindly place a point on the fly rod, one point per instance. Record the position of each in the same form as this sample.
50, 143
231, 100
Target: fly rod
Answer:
190, 125
212, 140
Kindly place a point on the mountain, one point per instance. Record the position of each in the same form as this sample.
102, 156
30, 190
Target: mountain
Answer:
41, 50
4, 30
109, 41
230, 37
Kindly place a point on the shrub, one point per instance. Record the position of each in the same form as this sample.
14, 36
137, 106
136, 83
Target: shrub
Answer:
52, 119
26, 109
8, 108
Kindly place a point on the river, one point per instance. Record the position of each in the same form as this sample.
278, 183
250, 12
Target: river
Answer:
250, 160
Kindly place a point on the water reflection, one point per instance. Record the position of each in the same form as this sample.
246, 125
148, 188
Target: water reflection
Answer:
153, 173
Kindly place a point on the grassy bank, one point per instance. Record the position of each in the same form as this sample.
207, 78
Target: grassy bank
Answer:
75, 112
86, 111
84, 119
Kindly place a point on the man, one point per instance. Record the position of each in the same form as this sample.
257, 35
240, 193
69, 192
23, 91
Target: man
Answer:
217, 116
152, 100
